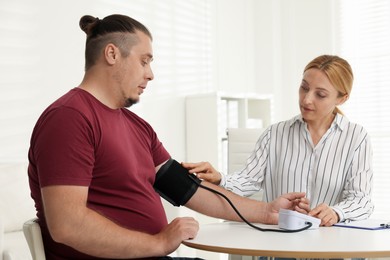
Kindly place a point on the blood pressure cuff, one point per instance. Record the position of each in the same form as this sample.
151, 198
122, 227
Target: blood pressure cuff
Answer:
175, 184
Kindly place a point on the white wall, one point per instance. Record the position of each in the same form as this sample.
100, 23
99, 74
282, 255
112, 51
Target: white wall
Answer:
288, 34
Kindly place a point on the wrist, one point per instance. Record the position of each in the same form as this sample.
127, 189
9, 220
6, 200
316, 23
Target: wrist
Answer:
339, 214
222, 180
265, 213
161, 245
219, 178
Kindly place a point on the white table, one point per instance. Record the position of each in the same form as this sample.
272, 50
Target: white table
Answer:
325, 242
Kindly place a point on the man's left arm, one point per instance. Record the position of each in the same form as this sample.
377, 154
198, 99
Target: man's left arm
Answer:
213, 205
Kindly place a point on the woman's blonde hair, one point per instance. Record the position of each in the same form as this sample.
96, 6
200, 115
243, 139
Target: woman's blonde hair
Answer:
338, 71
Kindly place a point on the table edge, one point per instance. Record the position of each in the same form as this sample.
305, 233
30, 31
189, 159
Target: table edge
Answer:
294, 254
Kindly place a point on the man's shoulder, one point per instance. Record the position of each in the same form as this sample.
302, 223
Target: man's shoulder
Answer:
75, 98
74, 107
69, 99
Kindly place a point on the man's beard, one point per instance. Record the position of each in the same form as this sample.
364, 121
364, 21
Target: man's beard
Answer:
130, 101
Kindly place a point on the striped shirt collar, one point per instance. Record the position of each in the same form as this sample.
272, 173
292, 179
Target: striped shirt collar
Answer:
340, 121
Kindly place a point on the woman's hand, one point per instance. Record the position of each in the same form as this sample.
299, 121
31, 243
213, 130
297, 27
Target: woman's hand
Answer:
204, 171
327, 215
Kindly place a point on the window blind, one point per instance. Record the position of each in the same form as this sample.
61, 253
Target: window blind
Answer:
42, 60
364, 40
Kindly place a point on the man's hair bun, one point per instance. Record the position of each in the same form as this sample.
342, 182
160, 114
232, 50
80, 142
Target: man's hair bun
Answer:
88, 23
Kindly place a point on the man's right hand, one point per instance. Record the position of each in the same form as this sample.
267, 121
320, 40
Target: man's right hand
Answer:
303, 206
178, 230
285, 201
204, 171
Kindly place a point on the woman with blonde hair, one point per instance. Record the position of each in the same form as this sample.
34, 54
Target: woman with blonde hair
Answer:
319, 152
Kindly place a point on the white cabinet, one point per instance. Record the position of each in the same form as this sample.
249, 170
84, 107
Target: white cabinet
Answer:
209, 115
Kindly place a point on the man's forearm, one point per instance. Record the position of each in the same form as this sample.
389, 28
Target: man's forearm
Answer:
211, 204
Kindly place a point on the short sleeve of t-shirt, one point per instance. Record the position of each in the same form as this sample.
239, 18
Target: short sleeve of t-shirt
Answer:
64, 154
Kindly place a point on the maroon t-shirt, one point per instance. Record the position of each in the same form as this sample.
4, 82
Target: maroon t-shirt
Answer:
79, 141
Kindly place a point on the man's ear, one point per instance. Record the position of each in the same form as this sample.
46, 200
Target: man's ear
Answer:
111, 53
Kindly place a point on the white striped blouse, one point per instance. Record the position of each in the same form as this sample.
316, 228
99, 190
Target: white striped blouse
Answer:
337, 171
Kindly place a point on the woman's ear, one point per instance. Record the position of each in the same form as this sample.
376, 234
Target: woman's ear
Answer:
342, 99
